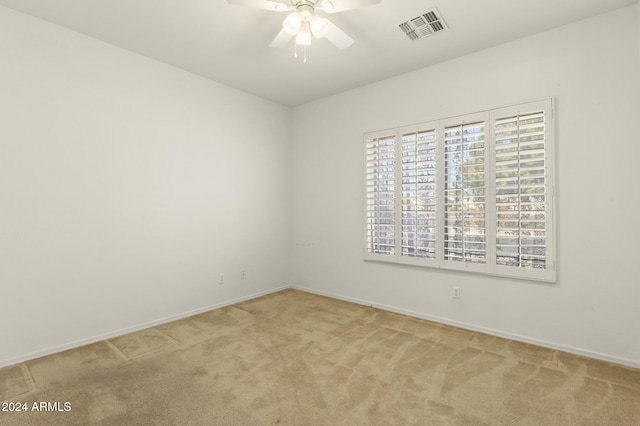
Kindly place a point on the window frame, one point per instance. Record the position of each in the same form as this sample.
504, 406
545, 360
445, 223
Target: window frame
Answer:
490, 267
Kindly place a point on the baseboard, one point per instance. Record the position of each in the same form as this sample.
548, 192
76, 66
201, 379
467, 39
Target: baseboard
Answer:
127, 330
472, 327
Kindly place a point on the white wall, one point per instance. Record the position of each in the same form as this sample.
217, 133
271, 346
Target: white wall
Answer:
126, 186
593, 309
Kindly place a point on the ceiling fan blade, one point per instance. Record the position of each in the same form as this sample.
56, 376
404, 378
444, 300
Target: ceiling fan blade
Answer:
281, 40
262, 4
338, 37
334, 6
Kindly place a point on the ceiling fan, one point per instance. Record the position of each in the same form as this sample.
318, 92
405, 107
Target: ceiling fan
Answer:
304, 22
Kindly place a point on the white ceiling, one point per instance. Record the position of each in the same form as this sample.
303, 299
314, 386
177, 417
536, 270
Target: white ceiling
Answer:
229, 44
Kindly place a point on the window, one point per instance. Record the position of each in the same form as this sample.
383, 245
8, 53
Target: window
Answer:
472, 193
381, 194
419, 222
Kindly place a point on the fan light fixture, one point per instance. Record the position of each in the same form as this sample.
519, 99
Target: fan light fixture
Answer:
303, 22
292, 23
304, 35
319, 26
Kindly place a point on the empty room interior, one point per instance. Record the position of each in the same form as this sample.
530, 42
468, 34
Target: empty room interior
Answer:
319, 212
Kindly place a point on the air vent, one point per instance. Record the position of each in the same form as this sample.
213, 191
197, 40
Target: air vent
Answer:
424, 25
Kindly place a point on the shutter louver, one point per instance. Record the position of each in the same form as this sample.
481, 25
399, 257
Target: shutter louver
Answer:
464, 193
380, 195
521, 204
419, 222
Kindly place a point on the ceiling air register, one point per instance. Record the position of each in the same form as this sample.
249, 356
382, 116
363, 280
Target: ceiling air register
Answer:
424, 25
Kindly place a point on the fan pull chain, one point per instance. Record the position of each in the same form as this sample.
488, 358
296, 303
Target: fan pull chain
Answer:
295, 52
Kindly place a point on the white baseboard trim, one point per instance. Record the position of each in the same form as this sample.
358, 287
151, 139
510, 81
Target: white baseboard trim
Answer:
127, 330
472, 327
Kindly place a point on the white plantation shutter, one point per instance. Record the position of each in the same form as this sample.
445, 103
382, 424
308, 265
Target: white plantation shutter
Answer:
419, 221
523, 190
472, 193
381, 194
464, 192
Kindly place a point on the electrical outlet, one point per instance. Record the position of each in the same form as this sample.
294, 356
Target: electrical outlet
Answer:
456, 292
221, 279
243, 274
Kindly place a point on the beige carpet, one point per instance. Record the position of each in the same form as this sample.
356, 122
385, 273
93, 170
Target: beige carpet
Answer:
293, 358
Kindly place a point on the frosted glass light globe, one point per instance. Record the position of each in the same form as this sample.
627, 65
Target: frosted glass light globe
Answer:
319, 27
292, 23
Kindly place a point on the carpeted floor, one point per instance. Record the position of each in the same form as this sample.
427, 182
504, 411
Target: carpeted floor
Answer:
293, 358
